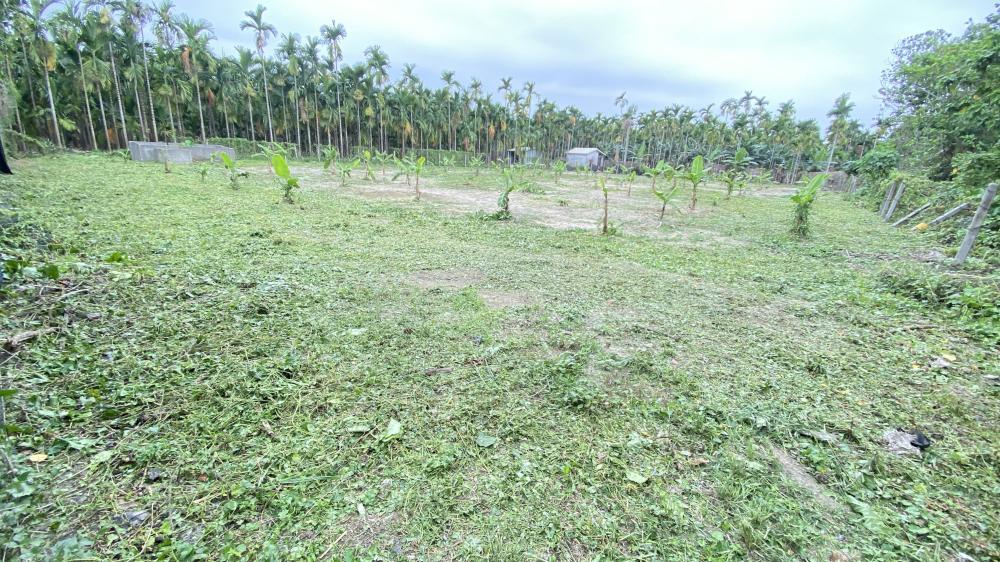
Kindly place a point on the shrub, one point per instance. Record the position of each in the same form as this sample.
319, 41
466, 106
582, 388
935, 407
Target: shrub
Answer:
803, 201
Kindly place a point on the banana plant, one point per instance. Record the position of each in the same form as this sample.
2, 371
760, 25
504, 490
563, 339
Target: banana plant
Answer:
383, 159
345, 170
602, 184
661, 169
558, 169
477, 164
509, 183
696, 174
230, 165
408, 167
286, 180
665, 197
366, 158
269, 150
330, 156
803, 200
630, 179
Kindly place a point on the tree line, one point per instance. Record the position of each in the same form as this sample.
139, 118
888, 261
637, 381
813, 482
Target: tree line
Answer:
95, 75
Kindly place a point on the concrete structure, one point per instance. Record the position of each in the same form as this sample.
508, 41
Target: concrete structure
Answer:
591, 158
175, 152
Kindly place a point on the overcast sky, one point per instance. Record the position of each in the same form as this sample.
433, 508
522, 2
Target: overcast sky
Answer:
585, 53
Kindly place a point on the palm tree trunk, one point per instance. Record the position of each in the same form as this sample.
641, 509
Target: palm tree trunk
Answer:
104, 120
316, 110
298, 115
149, 90
118, 94
267, 96
52, 109
17, 111
201, 113
253, 133
138, 108
86, 101
170, 116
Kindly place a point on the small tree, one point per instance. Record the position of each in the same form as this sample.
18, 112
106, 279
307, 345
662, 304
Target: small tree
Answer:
602, 184
630, 179
408, 167
286, 180
330, 156
803, 200
665, 197
696, 175
558, 168
346, 169
477, 164
366, 158
231, 170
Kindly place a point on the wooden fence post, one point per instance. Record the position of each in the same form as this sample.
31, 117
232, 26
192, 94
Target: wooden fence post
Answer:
947, 215
977, 223
895, 201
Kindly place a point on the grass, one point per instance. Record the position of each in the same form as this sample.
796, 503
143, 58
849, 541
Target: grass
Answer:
356, 377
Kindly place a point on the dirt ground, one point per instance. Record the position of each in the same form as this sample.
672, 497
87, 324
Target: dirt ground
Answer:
574, 202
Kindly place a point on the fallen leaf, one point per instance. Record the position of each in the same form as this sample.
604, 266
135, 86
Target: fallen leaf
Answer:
949, 357
393, 429
636, 477
37, 457
484, 440
103, 456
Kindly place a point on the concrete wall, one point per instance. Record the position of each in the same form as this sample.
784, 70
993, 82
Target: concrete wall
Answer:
175, 152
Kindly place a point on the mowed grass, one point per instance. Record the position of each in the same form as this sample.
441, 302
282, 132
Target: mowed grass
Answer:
350, 377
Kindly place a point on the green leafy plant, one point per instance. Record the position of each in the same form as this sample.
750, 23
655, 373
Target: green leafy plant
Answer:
230, 165
629, 180
477, 163
665, 197
203, 171
558, 169
286, 180
695, 174
509, 182
803, 200
271, 149
345, 170
366, 159
602, 184
330, 155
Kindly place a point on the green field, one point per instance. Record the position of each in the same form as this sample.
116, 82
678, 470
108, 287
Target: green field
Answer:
222, 376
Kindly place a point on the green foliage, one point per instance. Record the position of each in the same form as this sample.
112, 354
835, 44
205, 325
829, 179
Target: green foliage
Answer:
695, 174
330, 155
231, 169
286, 180
944, 95
366, 159
558, 169
876, 165
346, 168
803, 201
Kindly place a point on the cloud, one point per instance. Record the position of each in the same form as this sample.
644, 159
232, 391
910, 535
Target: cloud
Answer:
586, 52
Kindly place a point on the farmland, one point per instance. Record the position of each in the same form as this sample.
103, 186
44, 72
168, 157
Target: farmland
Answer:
211, 373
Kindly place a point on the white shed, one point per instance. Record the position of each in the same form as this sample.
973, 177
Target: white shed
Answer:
591, 158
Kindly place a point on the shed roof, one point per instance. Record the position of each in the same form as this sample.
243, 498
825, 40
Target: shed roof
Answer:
583, 150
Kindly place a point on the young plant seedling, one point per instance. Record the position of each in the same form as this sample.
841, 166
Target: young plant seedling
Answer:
558, 168
696, 174
330, 156
477, 164
418, 167
630, 179
366, 158
346, 169
509, 183
230, 167
803, 200
665, 197
602, 184
286, 180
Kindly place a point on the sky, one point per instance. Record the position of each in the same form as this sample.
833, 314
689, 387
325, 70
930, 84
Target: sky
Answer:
585, 53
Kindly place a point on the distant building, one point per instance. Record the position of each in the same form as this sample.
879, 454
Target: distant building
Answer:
591, 158
523, 155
